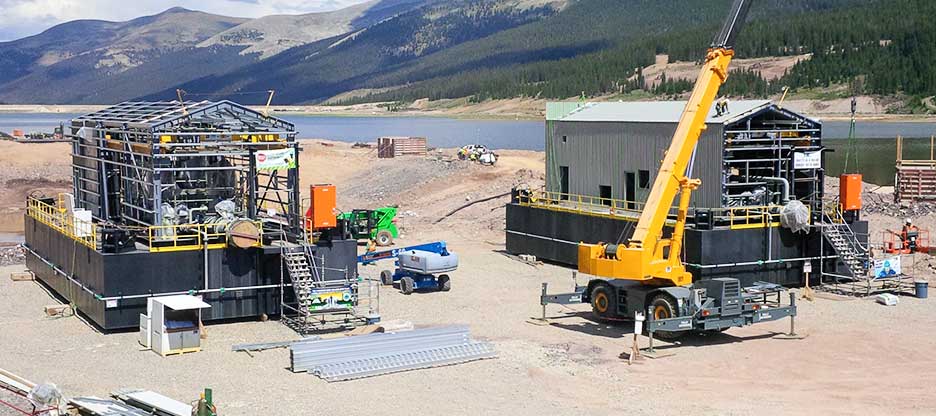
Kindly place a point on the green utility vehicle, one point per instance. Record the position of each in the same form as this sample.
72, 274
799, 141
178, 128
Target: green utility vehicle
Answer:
377, 224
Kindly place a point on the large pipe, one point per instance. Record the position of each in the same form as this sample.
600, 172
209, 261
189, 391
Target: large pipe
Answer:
786, 187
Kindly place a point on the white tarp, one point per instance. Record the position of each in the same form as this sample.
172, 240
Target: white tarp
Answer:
275, 159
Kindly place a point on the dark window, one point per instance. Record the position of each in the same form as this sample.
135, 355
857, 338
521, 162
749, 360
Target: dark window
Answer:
605, 192
565, 138
644, 179
564, 181
630, 191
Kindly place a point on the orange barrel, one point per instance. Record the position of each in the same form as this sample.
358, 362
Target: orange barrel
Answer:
850, 191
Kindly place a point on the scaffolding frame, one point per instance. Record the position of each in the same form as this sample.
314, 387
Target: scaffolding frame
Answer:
763, 147
130, 159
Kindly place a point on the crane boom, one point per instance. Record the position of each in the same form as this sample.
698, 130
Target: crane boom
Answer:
647, 256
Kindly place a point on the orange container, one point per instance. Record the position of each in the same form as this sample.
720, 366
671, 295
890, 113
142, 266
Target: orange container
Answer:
850, 191
322, 210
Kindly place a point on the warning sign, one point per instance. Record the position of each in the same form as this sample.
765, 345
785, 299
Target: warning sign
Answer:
807, 160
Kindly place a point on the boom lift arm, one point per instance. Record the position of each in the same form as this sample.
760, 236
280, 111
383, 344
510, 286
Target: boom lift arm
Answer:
648, 257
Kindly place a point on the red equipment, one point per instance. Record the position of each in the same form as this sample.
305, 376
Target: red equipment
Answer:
910, 239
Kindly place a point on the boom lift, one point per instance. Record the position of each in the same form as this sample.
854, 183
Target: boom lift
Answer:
646, 274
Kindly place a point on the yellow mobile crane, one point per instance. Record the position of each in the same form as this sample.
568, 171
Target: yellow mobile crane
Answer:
646, 273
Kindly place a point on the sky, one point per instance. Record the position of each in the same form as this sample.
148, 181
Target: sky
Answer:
21, 18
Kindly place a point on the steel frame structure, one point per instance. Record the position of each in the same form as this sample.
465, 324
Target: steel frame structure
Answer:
131, 159
762, 146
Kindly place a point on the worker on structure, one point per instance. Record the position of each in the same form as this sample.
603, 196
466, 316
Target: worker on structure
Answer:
909, 235
721, 107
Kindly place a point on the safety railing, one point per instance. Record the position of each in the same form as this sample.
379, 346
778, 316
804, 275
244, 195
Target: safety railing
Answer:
60, 219
739, 218
764, 216
188, 237
185, 237
899, 242
581, 204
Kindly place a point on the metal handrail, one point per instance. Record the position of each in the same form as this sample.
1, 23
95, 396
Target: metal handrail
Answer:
160, 238
735, 217
839, 221
58, 218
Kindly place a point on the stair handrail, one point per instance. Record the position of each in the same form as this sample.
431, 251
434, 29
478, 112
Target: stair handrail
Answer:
846, 233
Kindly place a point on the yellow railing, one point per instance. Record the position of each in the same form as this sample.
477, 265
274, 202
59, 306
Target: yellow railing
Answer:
583, 204
186, 237
58, 218
735, 218
160, 238
750, 217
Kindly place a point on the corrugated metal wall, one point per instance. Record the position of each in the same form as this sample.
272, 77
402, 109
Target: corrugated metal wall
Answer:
599, 153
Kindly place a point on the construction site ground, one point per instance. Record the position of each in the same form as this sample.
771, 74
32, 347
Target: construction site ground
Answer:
857, 357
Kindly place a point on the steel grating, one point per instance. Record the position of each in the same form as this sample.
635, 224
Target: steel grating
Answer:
377, 354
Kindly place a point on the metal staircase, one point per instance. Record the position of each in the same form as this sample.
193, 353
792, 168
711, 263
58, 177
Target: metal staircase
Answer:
316, 286
846, 244
301, 267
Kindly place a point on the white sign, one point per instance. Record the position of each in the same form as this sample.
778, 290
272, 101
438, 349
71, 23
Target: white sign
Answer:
638, 322
275, 159
807, 266
807, 160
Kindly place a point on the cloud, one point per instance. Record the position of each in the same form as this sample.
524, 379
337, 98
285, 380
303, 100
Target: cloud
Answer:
19, 18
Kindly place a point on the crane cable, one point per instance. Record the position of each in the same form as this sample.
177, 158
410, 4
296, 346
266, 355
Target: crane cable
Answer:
852, 147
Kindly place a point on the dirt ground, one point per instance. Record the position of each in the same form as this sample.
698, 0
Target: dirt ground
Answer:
857, 357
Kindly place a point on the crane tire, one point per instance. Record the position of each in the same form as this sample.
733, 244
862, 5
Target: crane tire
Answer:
663, 307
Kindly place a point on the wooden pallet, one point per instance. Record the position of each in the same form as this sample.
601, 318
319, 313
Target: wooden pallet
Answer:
181, 351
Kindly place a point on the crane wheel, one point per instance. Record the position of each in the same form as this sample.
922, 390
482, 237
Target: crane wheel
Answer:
384, 238
602, 301
386, 277
663, 306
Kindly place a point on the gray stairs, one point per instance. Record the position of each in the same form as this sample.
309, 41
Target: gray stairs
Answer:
846, 244
301, 267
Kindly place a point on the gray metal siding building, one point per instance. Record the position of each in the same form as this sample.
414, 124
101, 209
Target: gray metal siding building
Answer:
626, 158
614, 150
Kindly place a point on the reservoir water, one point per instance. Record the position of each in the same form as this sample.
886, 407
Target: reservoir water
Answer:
877, 150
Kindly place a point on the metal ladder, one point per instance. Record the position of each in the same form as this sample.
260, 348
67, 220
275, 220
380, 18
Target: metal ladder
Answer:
301, 267
846, 244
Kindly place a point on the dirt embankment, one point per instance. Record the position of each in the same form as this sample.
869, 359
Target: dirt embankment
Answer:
25, 168
425, 188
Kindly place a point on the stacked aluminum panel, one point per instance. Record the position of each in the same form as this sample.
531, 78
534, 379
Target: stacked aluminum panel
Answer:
376, 354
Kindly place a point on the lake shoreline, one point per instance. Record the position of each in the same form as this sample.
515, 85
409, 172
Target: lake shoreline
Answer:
529, 110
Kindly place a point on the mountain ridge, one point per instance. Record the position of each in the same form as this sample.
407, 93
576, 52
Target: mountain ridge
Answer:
407, 50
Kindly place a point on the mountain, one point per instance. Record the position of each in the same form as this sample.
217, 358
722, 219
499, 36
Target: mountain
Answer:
322, 69
94, 62
404, 50
271, 35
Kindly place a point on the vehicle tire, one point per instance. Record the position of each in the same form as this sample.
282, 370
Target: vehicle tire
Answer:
663, 307
445, 283
603, 302
407, 285
384, 238
386, 277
